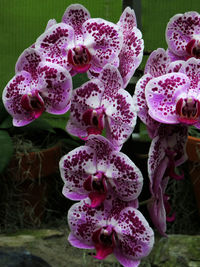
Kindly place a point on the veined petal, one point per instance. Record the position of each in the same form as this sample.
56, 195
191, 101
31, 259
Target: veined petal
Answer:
157, 63
180, 30
135, 237
55, 87
124, 177
87, 97
75, 15
29, 61
103, 40
53, 44
22, 84
161, 95
75, 167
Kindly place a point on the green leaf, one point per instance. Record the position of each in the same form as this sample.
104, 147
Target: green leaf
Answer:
38, 125
6, 149
6, 123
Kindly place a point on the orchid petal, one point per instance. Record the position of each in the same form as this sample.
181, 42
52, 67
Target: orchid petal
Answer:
87, 97
124, 177
180, 29
54, 42
75, 167
12, 97
77, 243
56, 87
29, 61
104, 41
84, 221
75, 15
132, 49
161, 96
175, 66
135, 237
157, 63
50, 23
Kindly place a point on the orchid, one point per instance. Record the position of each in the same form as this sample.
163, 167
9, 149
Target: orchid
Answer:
127, 235
97, 169
158, 64
102, 104
38, 86
183, 36
174, 98
80, 43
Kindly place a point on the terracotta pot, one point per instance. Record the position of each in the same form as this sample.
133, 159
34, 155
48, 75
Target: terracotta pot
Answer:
193, 151
32, 174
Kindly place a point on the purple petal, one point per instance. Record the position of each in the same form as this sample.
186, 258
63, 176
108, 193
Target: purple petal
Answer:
77, 243
132, 49
84, 221
75, 168
135, 237
125, 178
174, 57
29, 61
54, 42
104, 41
180, 30
157, 63
87, 97
75, 15
121, 116
56, 87
161, 96
175, 66
12, 97
50, 23
191, 69
124, 261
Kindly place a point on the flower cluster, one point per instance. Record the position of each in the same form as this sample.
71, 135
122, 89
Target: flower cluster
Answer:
168, 99
103, 181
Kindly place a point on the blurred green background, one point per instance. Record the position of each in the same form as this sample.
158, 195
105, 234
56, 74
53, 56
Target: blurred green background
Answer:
22, 21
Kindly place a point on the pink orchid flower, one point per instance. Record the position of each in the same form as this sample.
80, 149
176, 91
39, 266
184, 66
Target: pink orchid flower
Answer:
38, 86
183, 36
175, 97
80, 43
158, 64
97, 169
102, 104
125, 233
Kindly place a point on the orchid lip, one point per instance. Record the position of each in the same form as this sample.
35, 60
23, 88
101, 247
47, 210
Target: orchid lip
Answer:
193, 48
79, 57
188, 110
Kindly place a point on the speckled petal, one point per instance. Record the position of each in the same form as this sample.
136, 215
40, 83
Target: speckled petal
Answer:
124, 177
17, 87
50, 23
86, 97
54, 43
157, 63
55, 87
191, 68
75, 15
84, 221
180, 30
75, 167
104, 149
175, 66
135, 237
121, 116
29, 61
132, 49
161, 95
104, 41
